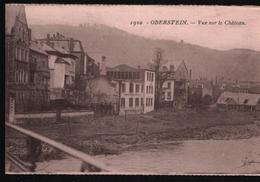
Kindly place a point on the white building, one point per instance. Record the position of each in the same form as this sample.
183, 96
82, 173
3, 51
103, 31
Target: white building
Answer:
136, 88
62, 69
175, 87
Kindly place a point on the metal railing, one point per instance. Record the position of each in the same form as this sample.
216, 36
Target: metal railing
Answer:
34, 147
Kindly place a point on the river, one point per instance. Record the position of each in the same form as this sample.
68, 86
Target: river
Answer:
190, 157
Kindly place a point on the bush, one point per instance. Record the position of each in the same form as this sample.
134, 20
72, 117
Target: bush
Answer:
207, 100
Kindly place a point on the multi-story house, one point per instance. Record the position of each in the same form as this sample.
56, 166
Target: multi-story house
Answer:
17, 40
136, 88
175, 86
91, 68
71, 46
39, 77
62, 69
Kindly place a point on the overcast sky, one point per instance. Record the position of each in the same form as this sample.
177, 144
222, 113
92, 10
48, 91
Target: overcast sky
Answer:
213, 36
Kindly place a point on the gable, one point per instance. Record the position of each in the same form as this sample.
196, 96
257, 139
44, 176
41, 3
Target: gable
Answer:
182, 72
12, 12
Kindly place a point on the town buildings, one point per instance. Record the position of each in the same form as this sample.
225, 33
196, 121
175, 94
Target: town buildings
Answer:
239, 101
174, 88
201, 91
62, 69
39, 77
85, 66
136, 88
17, 42
91, 70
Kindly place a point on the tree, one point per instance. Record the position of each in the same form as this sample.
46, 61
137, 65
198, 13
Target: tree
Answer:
207, 99
160, 75
89, 89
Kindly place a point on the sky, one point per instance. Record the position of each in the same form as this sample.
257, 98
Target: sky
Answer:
222, 37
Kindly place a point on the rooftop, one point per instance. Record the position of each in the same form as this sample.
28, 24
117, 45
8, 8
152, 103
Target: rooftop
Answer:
11, 13
37, 47
239, 98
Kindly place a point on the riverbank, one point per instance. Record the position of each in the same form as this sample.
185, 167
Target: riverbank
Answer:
113, 135
239, 156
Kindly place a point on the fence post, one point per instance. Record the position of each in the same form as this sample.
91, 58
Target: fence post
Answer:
11, 114
34, 151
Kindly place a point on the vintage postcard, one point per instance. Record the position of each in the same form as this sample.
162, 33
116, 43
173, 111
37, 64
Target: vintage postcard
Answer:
131, 89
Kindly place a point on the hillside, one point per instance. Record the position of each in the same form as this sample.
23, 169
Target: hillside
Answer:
121, 47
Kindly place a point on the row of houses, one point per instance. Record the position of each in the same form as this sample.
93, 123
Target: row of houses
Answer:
40, 71
239, 95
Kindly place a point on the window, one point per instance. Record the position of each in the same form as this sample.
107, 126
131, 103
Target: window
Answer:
169, 85
147, 88
151, 101
20, 54
16, 53
24, 75
123, 87
142, 101
134, 75
130, 75
152, 76
136, 102
131, 88
168, 95
121, 74
131, 102
147, 101
19, 76
15, 76
122, 102
151, 89
25, 55
137, 88
147, 75
138, 75
142, 88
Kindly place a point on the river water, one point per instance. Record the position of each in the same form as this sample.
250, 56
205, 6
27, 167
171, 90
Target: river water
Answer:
190, 157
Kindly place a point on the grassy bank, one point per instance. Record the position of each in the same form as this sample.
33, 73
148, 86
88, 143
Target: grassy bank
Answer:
112, 135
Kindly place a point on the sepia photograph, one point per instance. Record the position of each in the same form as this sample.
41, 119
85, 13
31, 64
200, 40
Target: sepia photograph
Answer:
132, 89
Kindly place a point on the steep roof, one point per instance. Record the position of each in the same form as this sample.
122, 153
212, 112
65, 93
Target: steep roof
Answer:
11, 13
61, 60
37, 48
77, 46
65, 43
239, 98
47, 48
168, 64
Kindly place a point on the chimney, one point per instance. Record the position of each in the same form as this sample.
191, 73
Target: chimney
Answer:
85, 64
190, 74
171, 67
48, 39
98, 64
103, 66
71, 44
58, 35
30, 34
